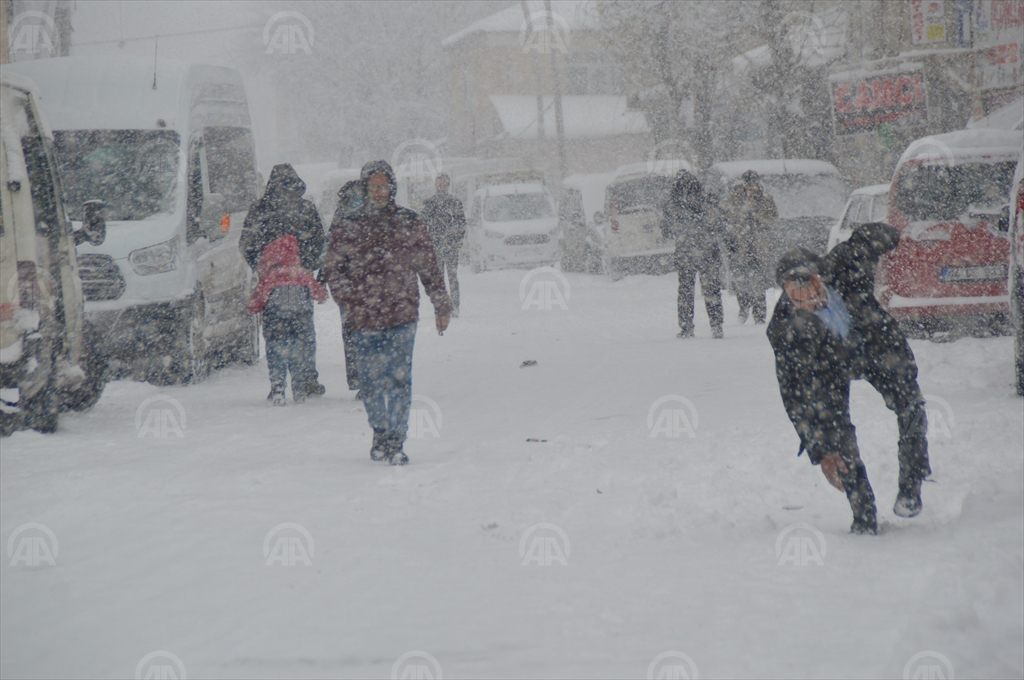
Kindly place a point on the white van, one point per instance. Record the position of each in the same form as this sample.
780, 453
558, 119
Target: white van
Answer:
44, 359
512, 225
170, 152
866, 204
629, 230
809, 195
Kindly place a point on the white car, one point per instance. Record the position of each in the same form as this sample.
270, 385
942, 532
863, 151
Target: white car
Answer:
512, 225
867, 204
630, 228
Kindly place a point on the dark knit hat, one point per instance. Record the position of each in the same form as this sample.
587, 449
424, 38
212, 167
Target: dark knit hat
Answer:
799, 262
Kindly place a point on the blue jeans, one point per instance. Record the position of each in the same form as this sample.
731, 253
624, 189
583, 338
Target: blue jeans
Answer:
290, 339
384, 365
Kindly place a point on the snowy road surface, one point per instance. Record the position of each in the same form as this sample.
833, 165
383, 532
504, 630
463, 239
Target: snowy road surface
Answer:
154, 555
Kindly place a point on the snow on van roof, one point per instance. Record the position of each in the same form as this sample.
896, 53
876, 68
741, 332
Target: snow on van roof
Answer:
663, 167
116, 92
873, 190
965, 145
784, 166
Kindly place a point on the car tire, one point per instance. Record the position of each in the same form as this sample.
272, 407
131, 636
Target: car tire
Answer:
188, 356
86, 395
42, 411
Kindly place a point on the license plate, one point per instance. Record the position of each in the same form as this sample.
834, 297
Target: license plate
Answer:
984, 272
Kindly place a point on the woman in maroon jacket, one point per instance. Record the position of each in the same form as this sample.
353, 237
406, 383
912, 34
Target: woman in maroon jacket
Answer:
372, 265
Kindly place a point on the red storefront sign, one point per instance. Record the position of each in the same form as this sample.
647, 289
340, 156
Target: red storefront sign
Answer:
862, 104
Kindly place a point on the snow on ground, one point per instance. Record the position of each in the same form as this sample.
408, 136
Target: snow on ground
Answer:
670, 543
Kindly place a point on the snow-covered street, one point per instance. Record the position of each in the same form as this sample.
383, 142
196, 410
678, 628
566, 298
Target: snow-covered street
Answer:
661, 541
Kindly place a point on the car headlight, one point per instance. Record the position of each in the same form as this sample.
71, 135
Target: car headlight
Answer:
493, 234
163, 257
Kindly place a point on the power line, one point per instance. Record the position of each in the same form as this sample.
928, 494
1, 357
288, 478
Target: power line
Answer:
167, 35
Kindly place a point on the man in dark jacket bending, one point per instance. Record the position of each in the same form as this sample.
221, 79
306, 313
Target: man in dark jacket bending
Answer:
446, 222
828, 329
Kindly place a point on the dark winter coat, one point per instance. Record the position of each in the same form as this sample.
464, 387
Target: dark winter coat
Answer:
281, 211
691, 219
373, 261
446, 222
814, 367
748, 230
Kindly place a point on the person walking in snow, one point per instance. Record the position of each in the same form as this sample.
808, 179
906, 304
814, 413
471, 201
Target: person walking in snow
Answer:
281, 211
372, 265
749, 215
284, 295
351, 200
446, 223
692, 220
828, 329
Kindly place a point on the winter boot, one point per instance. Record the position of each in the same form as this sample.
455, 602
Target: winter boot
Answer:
716, 332
685, 333
908, 500
379, 450
395, 454
276, 395
862, 527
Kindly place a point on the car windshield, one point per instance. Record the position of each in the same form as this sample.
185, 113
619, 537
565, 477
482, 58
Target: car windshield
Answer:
133, 171
940, 192
807, 195
646, 193
880, 209
514, 207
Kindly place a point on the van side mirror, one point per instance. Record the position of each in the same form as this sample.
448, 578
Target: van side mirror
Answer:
600, 218
94, 225
212, 216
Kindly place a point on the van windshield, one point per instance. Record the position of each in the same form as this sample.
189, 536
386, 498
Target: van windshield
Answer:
515, 207
132, 171
807, 195
646, 193
939, 192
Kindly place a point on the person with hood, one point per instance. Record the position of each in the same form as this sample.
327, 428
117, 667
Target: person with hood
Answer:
828, 329
749, 214
375, 260
281, 211
446, 222
351, 198
691, 219
284, 295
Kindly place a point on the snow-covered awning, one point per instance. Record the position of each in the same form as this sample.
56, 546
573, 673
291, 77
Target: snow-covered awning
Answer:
816, 39
569, 15
583, 116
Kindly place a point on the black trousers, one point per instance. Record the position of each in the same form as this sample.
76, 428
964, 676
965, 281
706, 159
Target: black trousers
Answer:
708, 265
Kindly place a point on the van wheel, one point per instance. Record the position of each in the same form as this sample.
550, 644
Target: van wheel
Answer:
42, 411
188, 363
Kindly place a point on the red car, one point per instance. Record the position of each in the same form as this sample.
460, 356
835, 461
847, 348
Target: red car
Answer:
948, 199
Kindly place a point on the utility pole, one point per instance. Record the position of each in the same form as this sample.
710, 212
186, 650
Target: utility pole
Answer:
536, 74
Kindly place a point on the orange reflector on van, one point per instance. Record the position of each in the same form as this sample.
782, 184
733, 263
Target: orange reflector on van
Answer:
225, 222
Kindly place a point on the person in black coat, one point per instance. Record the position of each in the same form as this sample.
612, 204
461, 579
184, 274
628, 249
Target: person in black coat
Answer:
446, 223
281, 211
828, 329
692, 220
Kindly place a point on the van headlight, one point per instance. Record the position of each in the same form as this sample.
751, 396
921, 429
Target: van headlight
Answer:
493, 234
163, 257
